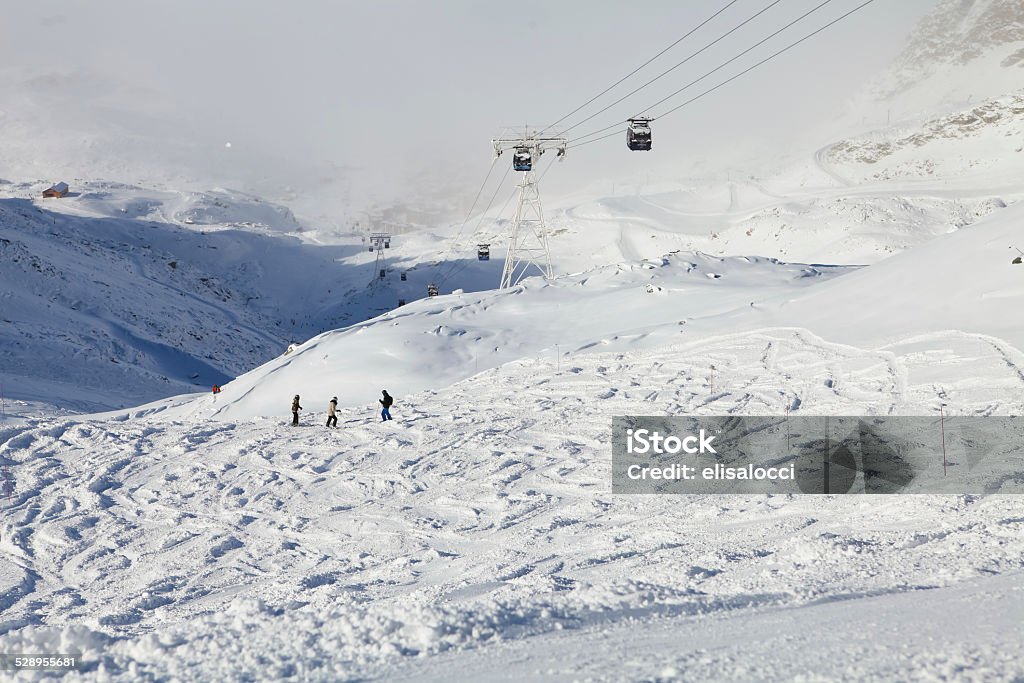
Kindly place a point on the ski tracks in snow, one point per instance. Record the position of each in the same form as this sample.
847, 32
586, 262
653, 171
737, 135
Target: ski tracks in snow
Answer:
482, 511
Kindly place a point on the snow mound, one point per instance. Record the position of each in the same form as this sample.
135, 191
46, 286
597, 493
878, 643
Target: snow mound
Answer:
435, 342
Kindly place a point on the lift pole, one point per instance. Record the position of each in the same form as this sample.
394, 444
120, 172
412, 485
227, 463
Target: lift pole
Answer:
380, 241
528, 239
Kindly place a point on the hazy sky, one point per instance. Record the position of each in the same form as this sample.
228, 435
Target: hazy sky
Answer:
404, 95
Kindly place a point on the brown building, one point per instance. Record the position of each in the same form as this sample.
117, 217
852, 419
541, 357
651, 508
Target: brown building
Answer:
58, 190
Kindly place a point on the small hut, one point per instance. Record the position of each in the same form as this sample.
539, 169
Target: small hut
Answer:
58, 190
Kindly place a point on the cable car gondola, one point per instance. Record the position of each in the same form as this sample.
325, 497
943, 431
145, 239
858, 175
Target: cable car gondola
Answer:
403, 276
638, 135
431, 289
483, 252
383, 273
522, 159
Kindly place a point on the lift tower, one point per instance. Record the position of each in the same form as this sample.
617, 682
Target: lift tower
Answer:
528, 240
379, 241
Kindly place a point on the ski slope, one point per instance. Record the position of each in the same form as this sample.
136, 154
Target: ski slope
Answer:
480, 523
950, 294
475, 537
478, 528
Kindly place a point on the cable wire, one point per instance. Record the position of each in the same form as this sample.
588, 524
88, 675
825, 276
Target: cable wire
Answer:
459, 268
444, 276
581, 140
717, 68
634, 71
453, 242
768, 58
668, 71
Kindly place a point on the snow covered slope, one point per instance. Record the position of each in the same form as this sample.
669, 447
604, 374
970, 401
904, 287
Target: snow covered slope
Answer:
476, 535
982, 145
479, 526
962, 281
961, 49
435, 342
108, 298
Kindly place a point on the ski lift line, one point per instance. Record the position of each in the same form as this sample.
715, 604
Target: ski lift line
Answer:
469, 215
668, 71
459, 268
752, 47
768, 58
491, 201
478, 193
636, 70
541, 177
717, 68
581, 140
444, 276
453, 243
603, 137
456, 269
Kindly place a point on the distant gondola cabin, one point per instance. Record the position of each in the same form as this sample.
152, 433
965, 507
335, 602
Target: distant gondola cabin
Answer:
522, 159
638, 135
57, 191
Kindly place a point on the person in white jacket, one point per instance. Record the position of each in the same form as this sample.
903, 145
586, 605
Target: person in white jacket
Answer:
332, 418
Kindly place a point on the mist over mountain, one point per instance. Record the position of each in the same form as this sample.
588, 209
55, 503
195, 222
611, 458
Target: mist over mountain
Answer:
335, 108
961, 50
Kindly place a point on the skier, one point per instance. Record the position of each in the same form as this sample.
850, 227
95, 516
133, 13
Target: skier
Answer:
332, 419
295, 410
385, 414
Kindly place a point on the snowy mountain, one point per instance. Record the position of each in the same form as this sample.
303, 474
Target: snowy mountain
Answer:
963, 50
476, 536
118, 295
985, 142
479, 525
204, 538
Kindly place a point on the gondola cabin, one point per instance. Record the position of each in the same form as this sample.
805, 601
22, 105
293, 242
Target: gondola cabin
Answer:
371, 247
387, 245
638, 135
483, 252
401, 302
383, 273
402, 277
431, 289
522, 159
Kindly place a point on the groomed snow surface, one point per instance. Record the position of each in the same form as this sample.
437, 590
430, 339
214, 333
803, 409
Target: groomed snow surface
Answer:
475, 537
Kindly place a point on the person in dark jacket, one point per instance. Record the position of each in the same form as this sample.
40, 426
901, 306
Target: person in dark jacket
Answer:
295, 410
332, 418
386, 402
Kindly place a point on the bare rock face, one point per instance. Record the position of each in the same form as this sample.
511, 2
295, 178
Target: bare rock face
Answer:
959, 33
1016, 59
